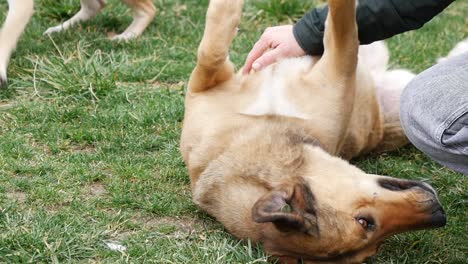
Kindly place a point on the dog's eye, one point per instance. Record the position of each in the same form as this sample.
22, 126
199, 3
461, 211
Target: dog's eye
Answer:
363, 222
366, 223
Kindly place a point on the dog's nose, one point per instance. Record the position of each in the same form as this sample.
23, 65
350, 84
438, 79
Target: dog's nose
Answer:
403, 185
438, 217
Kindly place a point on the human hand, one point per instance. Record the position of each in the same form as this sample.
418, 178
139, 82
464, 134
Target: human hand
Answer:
275, 43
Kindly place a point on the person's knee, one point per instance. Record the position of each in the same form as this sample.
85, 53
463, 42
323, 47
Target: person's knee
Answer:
432, 98
434, 116
412, 116
445, 143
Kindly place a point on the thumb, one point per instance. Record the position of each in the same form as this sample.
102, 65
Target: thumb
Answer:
266, 59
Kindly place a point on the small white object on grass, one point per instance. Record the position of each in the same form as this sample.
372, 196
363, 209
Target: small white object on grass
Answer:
115, 247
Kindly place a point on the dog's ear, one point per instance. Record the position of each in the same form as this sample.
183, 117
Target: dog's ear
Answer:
289, 208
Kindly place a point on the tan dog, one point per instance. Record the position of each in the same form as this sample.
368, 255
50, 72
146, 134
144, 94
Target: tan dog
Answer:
143, 13
20, 11
263, 149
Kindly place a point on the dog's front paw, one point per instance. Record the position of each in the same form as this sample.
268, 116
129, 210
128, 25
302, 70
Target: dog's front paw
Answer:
53, 30
125, 36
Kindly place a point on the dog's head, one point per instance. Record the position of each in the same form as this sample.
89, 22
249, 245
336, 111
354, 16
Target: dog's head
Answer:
336, 213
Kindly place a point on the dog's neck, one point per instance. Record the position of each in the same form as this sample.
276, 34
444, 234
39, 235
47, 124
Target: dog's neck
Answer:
230, 185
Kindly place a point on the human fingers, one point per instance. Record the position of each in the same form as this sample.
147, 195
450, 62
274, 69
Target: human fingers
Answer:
258, 49
267, 58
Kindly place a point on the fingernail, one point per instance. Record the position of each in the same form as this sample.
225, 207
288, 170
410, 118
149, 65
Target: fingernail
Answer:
256, 66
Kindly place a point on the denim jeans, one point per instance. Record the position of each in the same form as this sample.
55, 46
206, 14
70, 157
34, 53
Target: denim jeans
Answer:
434, 112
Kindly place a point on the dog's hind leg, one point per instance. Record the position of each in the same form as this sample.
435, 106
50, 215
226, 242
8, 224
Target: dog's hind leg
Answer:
19, 13
89, 9
143, 13
213, 65
389, 87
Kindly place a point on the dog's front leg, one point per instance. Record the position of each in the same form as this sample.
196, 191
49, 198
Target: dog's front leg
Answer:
213, 65
89, 9
19, 13
143, 13
336, 70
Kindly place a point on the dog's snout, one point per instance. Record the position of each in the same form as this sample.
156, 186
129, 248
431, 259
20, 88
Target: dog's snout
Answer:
416, 204
403, 185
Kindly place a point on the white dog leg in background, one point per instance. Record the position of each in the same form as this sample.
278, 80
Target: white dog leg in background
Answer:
375, 56
143, 13
89, 9
460, 48
19, 13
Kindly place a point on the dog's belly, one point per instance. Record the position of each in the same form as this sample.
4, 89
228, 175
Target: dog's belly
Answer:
272, 100
272, 97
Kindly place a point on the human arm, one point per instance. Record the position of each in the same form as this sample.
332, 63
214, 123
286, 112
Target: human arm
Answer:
376, 19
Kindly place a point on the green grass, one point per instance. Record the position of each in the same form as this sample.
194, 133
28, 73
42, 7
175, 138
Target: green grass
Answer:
89, 133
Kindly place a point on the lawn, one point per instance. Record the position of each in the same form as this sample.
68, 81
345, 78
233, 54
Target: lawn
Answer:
89, 135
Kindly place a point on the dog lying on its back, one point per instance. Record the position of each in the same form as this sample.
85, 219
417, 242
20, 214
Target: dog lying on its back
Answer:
264, 151
20, 12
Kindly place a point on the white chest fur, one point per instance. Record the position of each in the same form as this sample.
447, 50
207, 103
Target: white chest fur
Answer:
272, 97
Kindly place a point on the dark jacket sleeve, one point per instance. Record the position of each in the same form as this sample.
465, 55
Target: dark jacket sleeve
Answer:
376, 20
